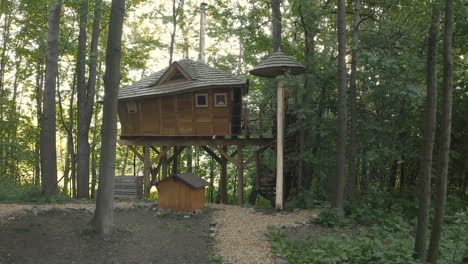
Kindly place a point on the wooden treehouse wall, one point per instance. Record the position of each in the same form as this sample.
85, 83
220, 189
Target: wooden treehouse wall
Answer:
178, 115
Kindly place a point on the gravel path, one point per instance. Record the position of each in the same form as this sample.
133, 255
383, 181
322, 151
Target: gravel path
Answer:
241, 235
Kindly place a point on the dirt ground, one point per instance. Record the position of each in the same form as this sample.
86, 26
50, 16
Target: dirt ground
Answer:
141, 235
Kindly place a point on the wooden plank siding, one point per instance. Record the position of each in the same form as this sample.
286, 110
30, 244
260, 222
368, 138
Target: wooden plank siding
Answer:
178, 196
178, 115
128, 187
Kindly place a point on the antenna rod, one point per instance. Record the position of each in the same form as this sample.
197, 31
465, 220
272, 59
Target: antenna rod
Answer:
201, 54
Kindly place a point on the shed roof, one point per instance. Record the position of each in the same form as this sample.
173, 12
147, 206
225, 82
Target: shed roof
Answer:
189, 178
201, 74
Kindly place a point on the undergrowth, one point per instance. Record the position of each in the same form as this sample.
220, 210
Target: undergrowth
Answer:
11, 192
384, 225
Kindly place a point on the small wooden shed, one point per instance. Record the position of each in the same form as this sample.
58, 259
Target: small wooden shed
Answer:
182, 192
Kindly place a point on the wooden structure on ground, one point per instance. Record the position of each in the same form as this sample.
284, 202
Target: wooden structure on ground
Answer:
182, 192
128, 187
190, 104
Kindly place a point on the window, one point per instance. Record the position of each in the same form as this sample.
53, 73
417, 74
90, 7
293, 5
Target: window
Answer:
220, 99
201, 100
131, 107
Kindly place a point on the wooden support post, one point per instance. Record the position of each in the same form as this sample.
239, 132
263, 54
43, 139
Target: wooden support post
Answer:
175, 160
164, 166
223, 178
240, 175
135, 151
146, 172
279, 145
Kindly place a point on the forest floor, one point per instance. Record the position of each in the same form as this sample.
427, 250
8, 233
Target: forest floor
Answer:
59, 233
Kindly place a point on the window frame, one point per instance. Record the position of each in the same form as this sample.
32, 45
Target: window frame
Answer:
132, 107
225, 100
206, 100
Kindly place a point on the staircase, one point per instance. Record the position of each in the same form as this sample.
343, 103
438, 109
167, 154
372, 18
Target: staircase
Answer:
267, 176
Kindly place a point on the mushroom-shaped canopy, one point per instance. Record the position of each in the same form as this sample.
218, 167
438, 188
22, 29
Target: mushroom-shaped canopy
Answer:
278, 64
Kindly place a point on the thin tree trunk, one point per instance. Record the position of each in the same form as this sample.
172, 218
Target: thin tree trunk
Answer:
38, 97
91, 89
48, 136
352, 159
428, 141
188, 153
342, 121
445, 136
276, 22
124, 167
304, 168
211, 180
175, 14
83, 129
223, 178
104, 217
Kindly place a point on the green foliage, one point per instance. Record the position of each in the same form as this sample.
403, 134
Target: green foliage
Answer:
328, 217
385, 236
154, 196
87, 232
364, 249
12, 192
304, 199
454, 246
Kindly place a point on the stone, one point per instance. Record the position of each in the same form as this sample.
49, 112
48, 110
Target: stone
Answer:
186, 216
281, 261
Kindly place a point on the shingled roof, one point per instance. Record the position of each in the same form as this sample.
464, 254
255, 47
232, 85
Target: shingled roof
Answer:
278, 64
189, 178
201, 74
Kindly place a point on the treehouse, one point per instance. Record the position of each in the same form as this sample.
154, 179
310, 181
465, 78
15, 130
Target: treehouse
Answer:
190, 104
188, 98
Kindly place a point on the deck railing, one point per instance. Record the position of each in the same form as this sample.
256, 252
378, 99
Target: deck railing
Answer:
255, 120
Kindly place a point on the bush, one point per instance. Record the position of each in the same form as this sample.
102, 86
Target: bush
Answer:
304, 200
328, 217
386, 236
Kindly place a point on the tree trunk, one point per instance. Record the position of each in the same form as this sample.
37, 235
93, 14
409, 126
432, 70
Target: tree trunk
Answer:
352, 159
240, 175
223, 178
211, 180
341, 140
38, 97
445, 136
428, 141
48, 126
83, 128
276, 23
304, 178
175, 14
104, 217
188, 153
124, 167
91, 88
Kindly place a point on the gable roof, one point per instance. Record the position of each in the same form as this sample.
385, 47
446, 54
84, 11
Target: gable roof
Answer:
189, 178
200, 74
